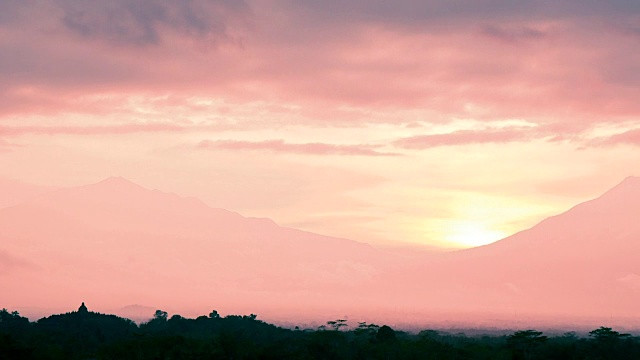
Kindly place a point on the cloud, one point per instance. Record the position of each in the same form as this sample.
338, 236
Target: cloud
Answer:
433, 13
464, 137
630, 137
322, 57
279, 146
142, 22
5, 146
10, 263
512, 35
553, 133
89, 130
630, 29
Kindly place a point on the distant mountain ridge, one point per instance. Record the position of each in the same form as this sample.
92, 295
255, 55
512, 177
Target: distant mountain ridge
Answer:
583, 262
13, 192
615, 210
122, 242
115, 242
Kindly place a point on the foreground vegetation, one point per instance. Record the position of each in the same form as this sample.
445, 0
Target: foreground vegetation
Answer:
88, 335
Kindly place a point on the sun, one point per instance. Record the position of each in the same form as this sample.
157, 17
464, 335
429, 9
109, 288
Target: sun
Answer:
470, 234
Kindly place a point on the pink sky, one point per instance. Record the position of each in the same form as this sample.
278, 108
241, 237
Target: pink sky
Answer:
443, 123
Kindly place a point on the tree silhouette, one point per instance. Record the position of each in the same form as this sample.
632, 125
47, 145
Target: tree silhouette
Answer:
608, 343
336, 325
92, 335
368, 329
160, 315
606, 334
524, 342
385, 334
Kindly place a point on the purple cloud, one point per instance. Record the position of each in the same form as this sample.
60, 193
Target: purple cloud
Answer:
141, 22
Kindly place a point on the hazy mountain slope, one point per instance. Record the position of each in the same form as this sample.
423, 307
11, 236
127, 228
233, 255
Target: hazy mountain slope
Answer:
13, 192
582, 262
117, 242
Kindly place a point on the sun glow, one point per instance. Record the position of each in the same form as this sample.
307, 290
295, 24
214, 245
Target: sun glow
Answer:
470, 234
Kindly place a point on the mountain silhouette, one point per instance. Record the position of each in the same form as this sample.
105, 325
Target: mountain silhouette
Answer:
136, 312
116, 242
583, 262
13, 192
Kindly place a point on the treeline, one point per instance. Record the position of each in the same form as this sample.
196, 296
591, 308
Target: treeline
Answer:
89, 335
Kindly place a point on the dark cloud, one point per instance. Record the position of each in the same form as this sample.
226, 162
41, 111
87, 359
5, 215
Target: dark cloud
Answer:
321, 55
631, 30
141, 22
51, 48
430, 13
512, 34
10, 10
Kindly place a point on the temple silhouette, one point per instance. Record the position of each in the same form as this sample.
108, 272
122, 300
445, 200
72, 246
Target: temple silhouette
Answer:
83, 309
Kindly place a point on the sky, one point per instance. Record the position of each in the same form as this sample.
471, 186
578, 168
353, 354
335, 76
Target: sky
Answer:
435, 123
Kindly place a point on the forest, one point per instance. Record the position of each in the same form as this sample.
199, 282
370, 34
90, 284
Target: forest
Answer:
84, 334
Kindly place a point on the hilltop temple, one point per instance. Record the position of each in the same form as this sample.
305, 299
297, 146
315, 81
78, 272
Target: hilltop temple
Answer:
82, 309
